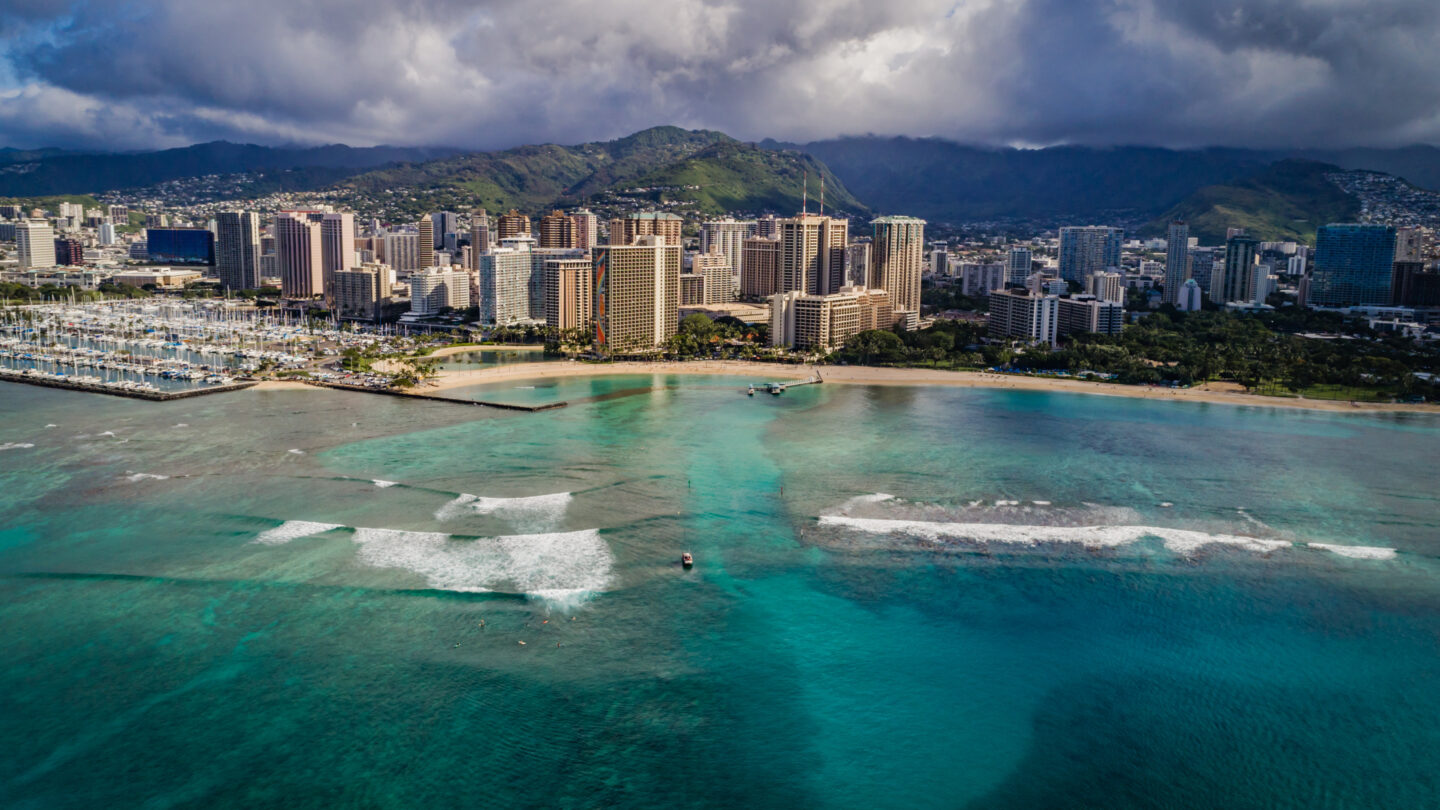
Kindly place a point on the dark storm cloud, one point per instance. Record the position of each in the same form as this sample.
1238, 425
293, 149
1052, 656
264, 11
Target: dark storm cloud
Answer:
136, 73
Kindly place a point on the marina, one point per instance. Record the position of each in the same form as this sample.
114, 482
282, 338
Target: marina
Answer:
151, 347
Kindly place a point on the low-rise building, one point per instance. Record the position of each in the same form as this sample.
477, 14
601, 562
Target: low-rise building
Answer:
1024, 315
162, 277
692, 289
434, 289
1089, 315
824, 322
744, 312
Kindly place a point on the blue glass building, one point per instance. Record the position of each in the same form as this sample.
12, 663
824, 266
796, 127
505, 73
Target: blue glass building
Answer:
1087, 250
1353, 265
180, 245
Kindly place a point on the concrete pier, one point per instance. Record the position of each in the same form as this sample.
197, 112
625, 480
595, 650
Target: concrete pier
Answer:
390, 392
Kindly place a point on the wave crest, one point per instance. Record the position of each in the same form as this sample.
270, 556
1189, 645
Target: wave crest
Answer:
1357, 552
293, 530
1180, 541
531, 510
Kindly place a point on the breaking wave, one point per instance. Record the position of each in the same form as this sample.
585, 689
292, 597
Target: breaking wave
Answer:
16, 446
557, 566
1090, 526
146, 477
535, 511
384, 484
1181, 541
293, 530
1357, 552
864, 500
297, 451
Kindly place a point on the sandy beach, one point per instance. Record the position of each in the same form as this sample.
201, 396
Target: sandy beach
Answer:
282, 385
1219, 393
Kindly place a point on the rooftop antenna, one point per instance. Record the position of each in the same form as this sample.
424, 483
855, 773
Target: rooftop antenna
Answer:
822, 194
805, 194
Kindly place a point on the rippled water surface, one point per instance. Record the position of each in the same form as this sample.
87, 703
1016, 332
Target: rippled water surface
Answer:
903, 597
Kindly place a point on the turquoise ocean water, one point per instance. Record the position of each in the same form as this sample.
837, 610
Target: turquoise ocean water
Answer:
903, 597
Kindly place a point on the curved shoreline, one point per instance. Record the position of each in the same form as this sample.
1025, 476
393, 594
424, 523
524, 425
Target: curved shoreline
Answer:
881, 375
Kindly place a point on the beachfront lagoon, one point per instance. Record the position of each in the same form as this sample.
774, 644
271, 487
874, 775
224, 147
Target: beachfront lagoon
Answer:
902, 597
498, 356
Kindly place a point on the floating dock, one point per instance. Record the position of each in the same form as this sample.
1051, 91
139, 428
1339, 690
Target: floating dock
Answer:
778, 388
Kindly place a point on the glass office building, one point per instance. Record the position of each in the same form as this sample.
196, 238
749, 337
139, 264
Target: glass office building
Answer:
180, 245
1353, 265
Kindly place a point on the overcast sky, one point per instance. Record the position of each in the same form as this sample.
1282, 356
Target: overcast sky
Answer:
156, 73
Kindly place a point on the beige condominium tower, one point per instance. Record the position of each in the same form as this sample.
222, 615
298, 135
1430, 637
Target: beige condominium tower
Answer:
761, 263
299, 254
425, 244
513, 223
897, 259
568, 296
812, 254
557, 230
637, 294
624, 229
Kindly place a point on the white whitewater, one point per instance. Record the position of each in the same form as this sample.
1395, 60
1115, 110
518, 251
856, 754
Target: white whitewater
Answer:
865, 500
1181, 541
535, 511
556, 566
1357, 552
293, 530
1094, 526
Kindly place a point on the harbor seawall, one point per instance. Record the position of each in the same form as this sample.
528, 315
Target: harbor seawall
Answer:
153, 396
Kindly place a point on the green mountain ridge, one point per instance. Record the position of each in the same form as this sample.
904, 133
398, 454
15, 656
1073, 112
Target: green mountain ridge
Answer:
1285, 202
47, 172
730, 175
